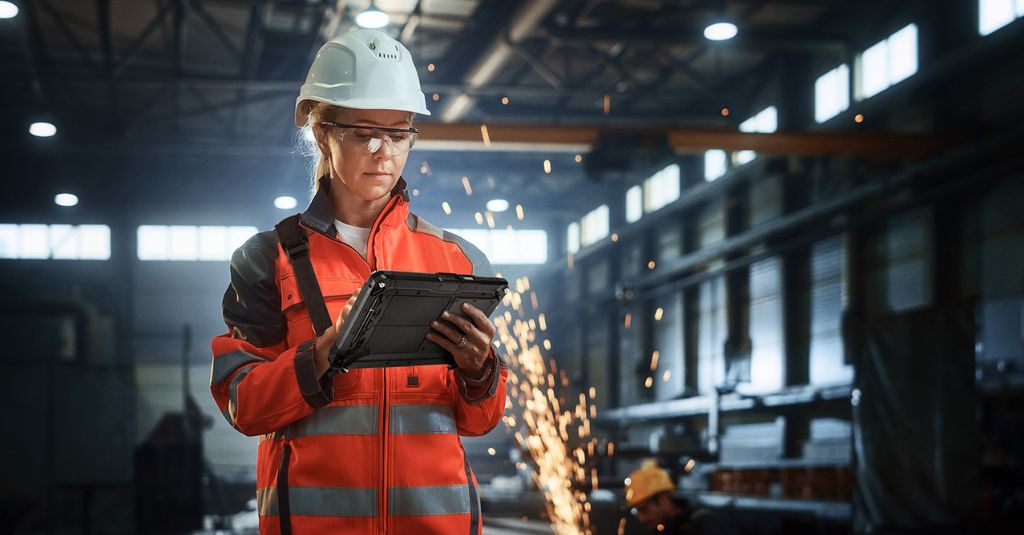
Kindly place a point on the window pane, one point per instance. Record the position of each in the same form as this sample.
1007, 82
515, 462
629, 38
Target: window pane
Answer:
237, 236
832, 93
213, 243
767, 121
711, 333
595, 226
572, 238
903, 54
8, 241
994, 14
661, 188
873, 75
669, 184
743, 157
184, 242
518, 247
509, 246
767, 358
63, 242
530, 246
33, 241
714, 164
634, 204
750, 125
94, 242
650, 193
152, 242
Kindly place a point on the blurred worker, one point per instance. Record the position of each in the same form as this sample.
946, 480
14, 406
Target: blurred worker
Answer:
653, 499
374, 450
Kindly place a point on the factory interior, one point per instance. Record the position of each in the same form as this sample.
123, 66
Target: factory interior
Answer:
769, 251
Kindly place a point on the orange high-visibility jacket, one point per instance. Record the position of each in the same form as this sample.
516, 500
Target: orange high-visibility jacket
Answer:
369, 451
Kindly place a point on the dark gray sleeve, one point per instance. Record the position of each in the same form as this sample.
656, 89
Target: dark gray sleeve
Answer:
252, 302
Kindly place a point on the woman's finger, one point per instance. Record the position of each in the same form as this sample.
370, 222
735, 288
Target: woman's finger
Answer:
460, 322
449, 333
480, 319
447, 345
347, 309
465, 356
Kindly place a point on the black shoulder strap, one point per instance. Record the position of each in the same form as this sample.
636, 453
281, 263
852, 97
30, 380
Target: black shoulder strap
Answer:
294, 241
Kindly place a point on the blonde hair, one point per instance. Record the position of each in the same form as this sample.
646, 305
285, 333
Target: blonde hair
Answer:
319, 164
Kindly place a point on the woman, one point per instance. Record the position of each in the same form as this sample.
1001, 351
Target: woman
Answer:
373, 450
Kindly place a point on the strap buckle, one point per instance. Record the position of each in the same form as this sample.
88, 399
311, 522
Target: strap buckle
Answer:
298, 249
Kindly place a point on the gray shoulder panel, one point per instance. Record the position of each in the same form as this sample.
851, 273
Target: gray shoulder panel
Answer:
481, 266
418, 224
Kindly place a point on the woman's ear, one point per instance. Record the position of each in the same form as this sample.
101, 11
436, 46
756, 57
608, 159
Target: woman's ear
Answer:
321, 141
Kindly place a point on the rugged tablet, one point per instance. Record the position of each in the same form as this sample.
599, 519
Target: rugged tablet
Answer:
388, 323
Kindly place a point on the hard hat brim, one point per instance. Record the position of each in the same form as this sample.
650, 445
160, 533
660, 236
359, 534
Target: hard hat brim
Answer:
358, 104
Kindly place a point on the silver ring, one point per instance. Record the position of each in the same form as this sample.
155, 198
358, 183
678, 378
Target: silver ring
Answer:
462, 342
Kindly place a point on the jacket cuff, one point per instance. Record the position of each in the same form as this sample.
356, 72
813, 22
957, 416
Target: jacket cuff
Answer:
316, 391
475, 391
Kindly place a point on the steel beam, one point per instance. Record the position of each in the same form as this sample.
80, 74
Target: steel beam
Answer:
58, 19
133, 49
876, 144
756, 41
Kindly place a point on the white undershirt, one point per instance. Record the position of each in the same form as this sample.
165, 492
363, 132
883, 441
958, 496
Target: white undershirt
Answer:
357, 237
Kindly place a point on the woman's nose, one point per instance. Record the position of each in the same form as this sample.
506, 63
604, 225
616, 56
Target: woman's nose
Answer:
384, 152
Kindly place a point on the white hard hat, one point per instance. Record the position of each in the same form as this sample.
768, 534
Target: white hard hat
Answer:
363, 69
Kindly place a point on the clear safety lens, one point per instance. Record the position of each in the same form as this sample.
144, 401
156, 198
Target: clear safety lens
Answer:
371, 141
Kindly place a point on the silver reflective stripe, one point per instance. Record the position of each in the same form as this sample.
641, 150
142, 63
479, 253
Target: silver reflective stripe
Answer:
266, 500
224, 364
418, 224
320, 501
422, 419
343, 420
424, 501
232, 411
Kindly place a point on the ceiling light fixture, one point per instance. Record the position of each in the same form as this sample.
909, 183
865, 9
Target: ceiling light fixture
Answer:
8, 10
720, 31
285, 202
372, 18
497, 205
42, 129
66, 199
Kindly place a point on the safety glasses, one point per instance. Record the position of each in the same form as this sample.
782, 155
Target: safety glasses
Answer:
370, 139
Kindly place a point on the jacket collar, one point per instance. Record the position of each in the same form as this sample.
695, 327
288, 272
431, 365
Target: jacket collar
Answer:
320, 214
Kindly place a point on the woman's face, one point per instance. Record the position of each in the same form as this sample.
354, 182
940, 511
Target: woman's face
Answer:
367, 176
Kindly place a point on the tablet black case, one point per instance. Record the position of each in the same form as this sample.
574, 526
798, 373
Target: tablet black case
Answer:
388, 323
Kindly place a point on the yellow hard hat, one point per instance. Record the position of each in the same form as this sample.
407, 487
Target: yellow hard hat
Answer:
647, 481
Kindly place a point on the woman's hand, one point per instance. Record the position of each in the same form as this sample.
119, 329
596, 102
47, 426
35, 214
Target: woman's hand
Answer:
469, 343
323, 344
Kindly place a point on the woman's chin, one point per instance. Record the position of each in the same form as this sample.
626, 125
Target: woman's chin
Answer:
374, 193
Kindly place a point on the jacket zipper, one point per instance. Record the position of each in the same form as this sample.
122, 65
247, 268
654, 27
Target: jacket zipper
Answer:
371, 263
382, 514
371, 256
